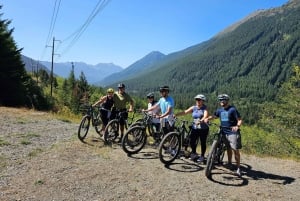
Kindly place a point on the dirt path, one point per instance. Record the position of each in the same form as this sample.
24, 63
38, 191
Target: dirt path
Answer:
42, 159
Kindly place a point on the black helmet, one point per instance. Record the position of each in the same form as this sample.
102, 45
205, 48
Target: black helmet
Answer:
150, 95
164, 88
223, 97
121, 85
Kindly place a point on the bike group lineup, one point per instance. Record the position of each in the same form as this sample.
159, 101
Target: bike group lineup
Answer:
171, 145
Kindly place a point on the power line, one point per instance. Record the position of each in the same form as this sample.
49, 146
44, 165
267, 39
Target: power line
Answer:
76, 35
52, 24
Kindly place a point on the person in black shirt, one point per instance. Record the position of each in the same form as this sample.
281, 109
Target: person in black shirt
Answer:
106, 103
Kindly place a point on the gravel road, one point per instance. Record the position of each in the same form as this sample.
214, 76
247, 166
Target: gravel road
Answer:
42, 159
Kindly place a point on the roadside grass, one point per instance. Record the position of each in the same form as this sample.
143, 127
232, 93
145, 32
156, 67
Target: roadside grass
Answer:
3, 142
259, 142
35, 152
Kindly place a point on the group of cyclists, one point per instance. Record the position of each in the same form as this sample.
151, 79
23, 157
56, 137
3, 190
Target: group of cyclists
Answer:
164, 117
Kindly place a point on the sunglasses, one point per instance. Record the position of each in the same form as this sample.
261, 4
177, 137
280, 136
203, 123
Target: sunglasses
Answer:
197, 99
222, 100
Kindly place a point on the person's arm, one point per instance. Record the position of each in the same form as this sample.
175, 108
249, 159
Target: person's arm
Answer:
166, 113
211, 117
101, 100
189, 110
205, 116
238, 125
131, 104
151, 108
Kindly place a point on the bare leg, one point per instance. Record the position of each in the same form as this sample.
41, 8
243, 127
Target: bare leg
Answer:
229, 155
237, 157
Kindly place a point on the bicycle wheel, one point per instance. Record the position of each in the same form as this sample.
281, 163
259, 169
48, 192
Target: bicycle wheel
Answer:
169, 148
111, 131
98, 124
84, 127
136, 124
210, 158
134, 140
221, 152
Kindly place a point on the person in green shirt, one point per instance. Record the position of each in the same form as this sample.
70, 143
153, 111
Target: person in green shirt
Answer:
121, 99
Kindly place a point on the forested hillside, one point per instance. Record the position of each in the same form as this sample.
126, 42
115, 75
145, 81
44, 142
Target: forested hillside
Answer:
249, 62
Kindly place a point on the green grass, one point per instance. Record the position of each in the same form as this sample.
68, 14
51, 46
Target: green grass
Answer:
257, 141
35, 152
3, 142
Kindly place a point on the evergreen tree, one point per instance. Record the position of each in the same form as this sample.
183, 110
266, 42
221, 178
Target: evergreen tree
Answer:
12, 72
17, 88
282, 116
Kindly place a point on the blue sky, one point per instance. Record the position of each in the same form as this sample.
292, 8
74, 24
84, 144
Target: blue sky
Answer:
122, 32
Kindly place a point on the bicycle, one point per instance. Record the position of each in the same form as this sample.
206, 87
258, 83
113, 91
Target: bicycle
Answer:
111, 131
171, 145
93, 116
217, 150
135, 137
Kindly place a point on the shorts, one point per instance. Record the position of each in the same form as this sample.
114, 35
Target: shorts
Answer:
234, 140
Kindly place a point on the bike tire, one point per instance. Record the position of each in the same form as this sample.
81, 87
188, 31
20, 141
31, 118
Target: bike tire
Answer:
83, 128
136, 124
98, 124
221, 153
111, 131
210, 159
134, 140
169, 148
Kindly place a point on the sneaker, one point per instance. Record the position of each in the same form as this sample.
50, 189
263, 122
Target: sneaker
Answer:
238, 172
193, 156
200, 159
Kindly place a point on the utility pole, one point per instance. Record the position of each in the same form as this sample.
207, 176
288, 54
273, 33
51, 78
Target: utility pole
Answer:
37, 72
51, 75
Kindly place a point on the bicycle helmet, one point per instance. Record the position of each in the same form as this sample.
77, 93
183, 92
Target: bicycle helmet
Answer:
223, 97
121, 85
164, 88
110, 90
150, 95
200, 96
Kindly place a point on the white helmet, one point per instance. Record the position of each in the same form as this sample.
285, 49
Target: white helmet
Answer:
200, 96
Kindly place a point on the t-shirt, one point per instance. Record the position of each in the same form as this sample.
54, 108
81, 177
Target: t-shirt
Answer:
228, 116
121, 100
197, 114
164, 104
153, 112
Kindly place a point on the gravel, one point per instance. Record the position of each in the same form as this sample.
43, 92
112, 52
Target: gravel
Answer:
42, 159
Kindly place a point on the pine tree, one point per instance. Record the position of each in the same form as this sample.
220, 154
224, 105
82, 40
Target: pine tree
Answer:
16, 86
13, 77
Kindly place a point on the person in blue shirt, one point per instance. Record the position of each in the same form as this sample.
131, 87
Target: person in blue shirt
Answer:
230, 118
166, 104
199, 127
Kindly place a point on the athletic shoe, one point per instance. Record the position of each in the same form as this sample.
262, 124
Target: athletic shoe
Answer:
200, 159
238, 172
193, 156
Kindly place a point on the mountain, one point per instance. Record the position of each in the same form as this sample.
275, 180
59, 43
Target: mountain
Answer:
133, 70
249, 60
32, 65
93, 73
